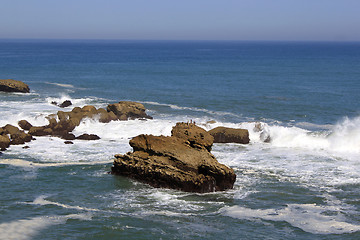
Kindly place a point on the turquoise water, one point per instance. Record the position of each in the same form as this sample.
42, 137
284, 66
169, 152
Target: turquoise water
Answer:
304, 184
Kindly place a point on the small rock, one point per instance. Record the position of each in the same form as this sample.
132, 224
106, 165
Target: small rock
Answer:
65, 104
86, 136
68, 142
230, 135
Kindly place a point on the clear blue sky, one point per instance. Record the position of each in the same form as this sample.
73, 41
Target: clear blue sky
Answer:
330, 20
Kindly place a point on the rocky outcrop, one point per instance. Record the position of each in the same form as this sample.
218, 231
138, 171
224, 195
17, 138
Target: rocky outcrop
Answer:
230, 135
125, 110
10, 85
11, 135
63, 123
64, 104
182, 161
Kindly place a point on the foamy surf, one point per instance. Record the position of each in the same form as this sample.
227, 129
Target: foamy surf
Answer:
24, 229
42, 202
310, 218
30, 164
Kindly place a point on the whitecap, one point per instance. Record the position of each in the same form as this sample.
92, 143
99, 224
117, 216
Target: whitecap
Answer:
308, 217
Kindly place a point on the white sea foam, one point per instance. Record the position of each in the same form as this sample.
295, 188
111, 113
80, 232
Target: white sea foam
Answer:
308, 217
343, 137
29, 164
61, 85
24, 229
42, 201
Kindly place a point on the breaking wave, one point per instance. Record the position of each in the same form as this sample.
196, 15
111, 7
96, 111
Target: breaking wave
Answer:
310, 218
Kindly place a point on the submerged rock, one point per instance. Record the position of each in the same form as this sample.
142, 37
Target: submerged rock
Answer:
10, 85
86, 136
182, 161
230, 135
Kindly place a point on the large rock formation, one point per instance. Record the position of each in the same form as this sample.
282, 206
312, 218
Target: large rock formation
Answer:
10, 85
182, 161
125, 110
230, 135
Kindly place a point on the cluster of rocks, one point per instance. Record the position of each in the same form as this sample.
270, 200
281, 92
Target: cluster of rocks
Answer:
182, 161
64, 104
63, 123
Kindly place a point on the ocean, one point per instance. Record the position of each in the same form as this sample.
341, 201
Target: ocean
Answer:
303, 184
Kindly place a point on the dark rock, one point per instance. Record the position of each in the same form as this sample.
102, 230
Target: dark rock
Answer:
25, 147
175, 162
86, 136
230, 135
54, 103
65, 104
64, 135
68, 142
10, 85
125, 110
24, 124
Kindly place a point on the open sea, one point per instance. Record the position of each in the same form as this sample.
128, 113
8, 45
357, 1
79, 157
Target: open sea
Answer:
303, 184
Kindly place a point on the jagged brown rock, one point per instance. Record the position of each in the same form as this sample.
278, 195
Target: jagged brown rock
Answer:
63, 123
65, 104
10, 85
230, 135
4, 142
125, 110
25, 125
182, 161
196, 136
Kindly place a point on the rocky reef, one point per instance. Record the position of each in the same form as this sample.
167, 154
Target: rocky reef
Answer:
63, 123
182, 161
10, 85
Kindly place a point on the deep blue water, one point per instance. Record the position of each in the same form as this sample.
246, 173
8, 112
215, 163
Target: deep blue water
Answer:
304, 184
312, 82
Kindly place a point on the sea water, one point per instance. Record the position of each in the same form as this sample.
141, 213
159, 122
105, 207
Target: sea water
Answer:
303, 184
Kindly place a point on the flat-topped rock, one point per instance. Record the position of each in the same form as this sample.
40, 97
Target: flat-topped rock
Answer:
10, 85
175, 162
230, 135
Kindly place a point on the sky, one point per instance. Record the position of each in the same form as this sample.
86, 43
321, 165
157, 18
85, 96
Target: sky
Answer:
259, 20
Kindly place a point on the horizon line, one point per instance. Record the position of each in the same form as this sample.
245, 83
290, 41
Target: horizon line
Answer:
172, 40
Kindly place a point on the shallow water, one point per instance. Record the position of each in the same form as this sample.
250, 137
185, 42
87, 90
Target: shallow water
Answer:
304, 184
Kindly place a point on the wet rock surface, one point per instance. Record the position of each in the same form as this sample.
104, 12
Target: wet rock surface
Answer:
182, 161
